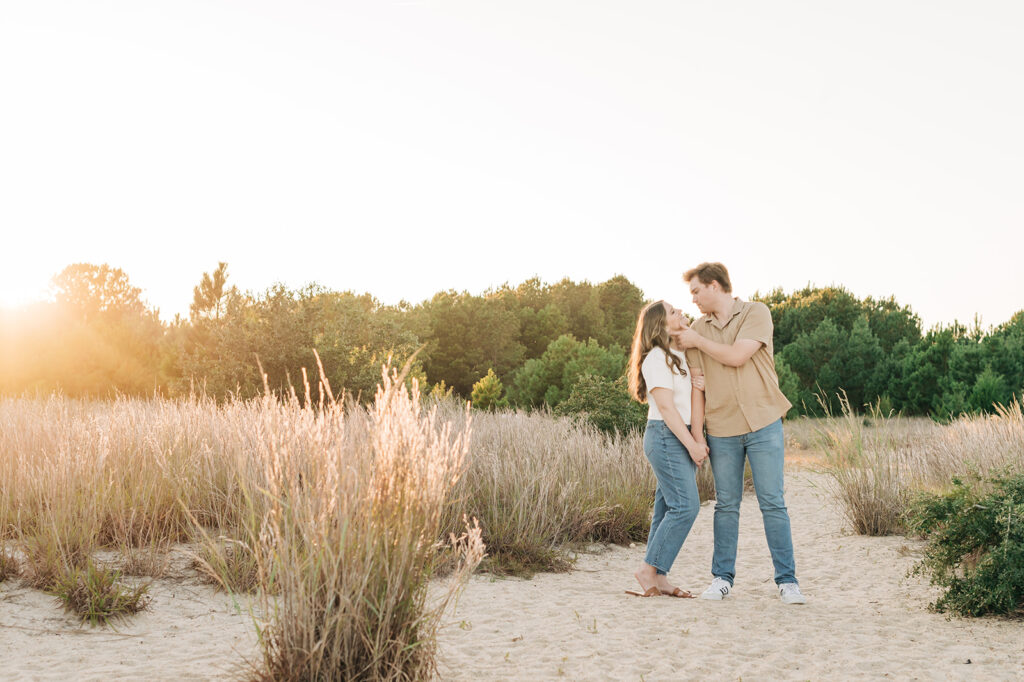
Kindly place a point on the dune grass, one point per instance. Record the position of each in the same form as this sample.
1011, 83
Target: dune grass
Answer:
97, 594
136, 476
878, 463
540, 486
335, 516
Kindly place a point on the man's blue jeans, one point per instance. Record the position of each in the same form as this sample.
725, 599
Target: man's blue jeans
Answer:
764, 449
676, 501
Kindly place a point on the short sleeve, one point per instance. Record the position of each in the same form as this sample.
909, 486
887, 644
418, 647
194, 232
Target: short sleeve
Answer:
656, 372
693, 359
757, 325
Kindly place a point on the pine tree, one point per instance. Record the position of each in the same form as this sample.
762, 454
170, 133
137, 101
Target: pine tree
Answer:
487, 392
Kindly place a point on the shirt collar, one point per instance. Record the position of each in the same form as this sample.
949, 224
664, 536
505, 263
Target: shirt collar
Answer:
737, 308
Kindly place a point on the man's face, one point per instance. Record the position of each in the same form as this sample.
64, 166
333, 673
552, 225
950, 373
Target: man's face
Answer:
703, 294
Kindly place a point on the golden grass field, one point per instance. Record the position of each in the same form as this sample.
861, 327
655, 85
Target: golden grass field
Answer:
343, 533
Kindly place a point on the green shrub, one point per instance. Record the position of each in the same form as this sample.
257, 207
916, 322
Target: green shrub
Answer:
487, 392
975, 549
605, 404
989, 390
548, 379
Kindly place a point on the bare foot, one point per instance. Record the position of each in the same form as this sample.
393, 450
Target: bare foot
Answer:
646, 580
664, 585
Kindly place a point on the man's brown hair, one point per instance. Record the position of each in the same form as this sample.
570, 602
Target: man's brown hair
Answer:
708, 273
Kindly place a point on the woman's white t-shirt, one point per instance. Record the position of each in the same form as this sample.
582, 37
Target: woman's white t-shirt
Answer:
660, 374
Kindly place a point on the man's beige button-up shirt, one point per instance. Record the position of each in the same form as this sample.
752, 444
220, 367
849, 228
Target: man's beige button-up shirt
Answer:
742, 399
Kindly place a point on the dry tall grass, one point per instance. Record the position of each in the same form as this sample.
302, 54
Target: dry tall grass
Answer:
336, 515
337, 511
343, 520
539, 484
877, 463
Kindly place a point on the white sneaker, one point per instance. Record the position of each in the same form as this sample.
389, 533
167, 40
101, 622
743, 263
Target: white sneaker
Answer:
719, 589
790, 594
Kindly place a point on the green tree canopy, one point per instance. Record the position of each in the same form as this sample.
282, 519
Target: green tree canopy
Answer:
548, 379
802, 311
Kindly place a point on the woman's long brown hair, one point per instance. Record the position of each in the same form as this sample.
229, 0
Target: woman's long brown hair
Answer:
650, 332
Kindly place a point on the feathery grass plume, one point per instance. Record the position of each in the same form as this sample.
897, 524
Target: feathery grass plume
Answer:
868, 481
345, 510
96, 594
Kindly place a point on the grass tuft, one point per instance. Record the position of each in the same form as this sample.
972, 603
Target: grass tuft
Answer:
48, 556
9, 566
96, 594
229, 564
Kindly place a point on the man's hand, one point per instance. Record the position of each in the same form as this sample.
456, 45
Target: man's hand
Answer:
699, 439
698, 453
686, 339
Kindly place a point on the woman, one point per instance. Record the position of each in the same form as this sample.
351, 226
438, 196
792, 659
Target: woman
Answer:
658, 375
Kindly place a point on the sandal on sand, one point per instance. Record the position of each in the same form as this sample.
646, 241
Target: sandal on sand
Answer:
651, 592
680, 593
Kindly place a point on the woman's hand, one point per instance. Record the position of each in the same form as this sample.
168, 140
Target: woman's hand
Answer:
697, 379
698, 452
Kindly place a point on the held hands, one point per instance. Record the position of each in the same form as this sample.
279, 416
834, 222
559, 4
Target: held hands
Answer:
699, 452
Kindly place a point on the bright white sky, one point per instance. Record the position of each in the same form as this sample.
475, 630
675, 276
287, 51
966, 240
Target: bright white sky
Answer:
403, 148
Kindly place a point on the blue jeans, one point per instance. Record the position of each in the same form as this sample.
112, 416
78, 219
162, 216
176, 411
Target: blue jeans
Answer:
676, 502
764, 449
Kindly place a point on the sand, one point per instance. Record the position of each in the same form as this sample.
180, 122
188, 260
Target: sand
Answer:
865, 618
189, 632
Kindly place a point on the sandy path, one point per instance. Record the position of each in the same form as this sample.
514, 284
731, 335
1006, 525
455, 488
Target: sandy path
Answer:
864, 617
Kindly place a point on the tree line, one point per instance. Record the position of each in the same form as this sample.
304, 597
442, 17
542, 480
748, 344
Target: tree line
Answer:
561, 345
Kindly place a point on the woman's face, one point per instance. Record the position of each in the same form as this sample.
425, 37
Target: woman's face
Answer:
675, 321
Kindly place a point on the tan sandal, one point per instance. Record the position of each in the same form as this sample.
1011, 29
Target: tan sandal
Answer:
679, 593
651, 592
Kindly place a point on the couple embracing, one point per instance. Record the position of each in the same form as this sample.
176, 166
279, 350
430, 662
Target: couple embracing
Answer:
724, 383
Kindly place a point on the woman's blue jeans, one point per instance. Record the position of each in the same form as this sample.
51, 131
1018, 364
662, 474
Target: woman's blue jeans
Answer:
676, 502
764, 449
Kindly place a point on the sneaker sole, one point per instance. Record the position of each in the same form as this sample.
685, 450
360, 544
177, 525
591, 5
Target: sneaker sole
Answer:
794, 601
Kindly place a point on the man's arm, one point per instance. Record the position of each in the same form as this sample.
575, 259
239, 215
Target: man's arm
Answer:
735, 355
697, 415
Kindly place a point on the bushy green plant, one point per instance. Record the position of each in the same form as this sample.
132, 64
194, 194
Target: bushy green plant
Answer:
990, 389
605, 404
975, 549
487, 393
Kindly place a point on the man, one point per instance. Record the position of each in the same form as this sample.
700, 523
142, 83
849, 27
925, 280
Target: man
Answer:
732, 343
